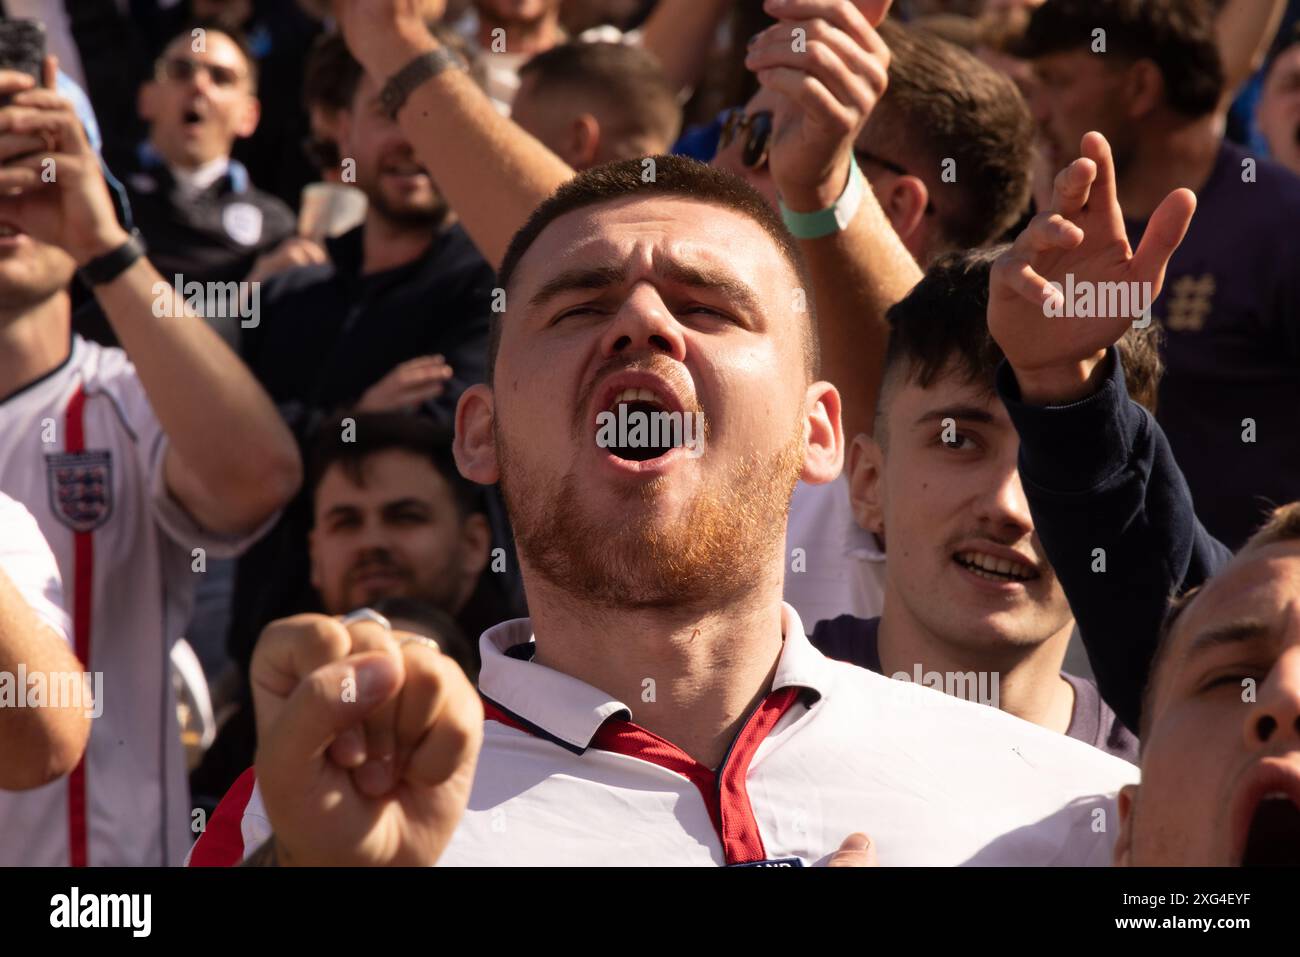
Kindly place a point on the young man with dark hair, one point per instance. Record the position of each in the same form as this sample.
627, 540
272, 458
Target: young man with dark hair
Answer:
1146, 74
596, 102
655, 583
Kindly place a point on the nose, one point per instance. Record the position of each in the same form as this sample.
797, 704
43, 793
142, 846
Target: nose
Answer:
1274, 718
643, 323
1003, 508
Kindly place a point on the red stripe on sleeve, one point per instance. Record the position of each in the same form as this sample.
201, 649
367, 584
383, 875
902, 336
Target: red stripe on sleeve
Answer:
83, 594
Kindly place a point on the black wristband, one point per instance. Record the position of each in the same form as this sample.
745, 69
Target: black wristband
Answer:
106, 268
424, 67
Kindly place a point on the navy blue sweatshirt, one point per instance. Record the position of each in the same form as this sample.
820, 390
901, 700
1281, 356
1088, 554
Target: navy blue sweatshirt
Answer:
1099, 474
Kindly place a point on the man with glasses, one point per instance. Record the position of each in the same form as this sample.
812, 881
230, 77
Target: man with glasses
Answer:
200, 215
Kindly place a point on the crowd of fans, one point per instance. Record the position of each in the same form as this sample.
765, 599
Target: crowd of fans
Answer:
987, 313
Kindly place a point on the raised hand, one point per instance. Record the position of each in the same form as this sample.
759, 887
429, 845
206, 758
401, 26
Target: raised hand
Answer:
827, 79
367, 742
1080, 240
376, 30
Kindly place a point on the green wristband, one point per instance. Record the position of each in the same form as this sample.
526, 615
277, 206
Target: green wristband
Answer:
835, 219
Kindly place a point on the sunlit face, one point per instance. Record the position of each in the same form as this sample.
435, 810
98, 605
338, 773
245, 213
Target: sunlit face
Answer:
1077, 91
396, 184
945, 495
398, 534
200, 101
693, 308
30, 271
1221, 755
1278, 115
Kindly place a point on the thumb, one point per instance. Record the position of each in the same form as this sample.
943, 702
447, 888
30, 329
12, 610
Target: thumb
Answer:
1164, 233
856, 851
328, 701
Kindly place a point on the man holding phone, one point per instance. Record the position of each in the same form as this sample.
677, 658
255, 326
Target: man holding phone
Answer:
137, 466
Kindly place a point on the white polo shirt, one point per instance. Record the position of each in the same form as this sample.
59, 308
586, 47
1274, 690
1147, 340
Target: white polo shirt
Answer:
83, 451
840, 569
564, 778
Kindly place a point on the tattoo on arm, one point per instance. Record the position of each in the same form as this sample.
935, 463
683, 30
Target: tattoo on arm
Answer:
264, 856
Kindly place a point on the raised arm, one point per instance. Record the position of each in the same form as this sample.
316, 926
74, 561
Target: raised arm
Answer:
491, 172
680, 34
1109, 503
1244, 30
825, 93
231, 461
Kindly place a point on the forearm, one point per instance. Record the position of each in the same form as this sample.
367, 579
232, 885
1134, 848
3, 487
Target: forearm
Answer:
680, 33
1244, 30
491, 172
1115, 518
39, 743
220, 423
857, 275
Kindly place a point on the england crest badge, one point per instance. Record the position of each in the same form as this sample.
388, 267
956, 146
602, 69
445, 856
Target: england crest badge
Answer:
81, 488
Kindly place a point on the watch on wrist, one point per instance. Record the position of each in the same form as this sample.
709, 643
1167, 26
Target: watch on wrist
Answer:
104, 269
833, 219
424, 67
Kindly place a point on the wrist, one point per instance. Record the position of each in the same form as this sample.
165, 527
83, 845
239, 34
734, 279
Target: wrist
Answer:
1064, 384
811, 197
398, 47
100, 243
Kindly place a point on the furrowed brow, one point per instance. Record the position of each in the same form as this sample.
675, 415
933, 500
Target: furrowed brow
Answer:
585, 278
704, 277
1241, 631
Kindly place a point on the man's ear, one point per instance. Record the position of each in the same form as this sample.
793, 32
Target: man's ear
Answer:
249, 115
824, 446
584, 141
1123, 853
475, 444
311, 553
146, 101
866, 471
904, 202
1143, 90
476, 541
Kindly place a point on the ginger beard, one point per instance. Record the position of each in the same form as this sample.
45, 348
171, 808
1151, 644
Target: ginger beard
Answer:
722, 545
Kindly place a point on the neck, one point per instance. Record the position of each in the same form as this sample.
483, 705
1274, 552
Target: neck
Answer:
522, 36
1175, 154
33, 342
1029, 683
387, 244
690, 677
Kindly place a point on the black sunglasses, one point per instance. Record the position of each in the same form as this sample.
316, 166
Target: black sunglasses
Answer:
757, 131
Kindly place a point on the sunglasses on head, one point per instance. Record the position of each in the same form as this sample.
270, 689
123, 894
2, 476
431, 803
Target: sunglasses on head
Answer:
756, 133
182, 70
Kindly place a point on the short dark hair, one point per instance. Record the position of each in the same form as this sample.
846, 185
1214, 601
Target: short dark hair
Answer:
234, 36
628, 81
944, 103
941, 326
673, 176
1283, 525
1177, 35
335, 442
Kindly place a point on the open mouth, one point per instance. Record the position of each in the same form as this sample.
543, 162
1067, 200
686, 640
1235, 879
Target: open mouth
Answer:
994, 568
639, 419
1273, 838
635, 406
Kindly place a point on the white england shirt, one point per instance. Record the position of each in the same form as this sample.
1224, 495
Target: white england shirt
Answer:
566, 778
840, 568
83, 451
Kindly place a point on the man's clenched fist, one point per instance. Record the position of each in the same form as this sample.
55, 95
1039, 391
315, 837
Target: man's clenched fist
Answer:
367, 741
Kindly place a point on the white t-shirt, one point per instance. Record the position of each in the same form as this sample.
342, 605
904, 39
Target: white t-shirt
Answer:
933, 779
25, 557
83, 451
841, 568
